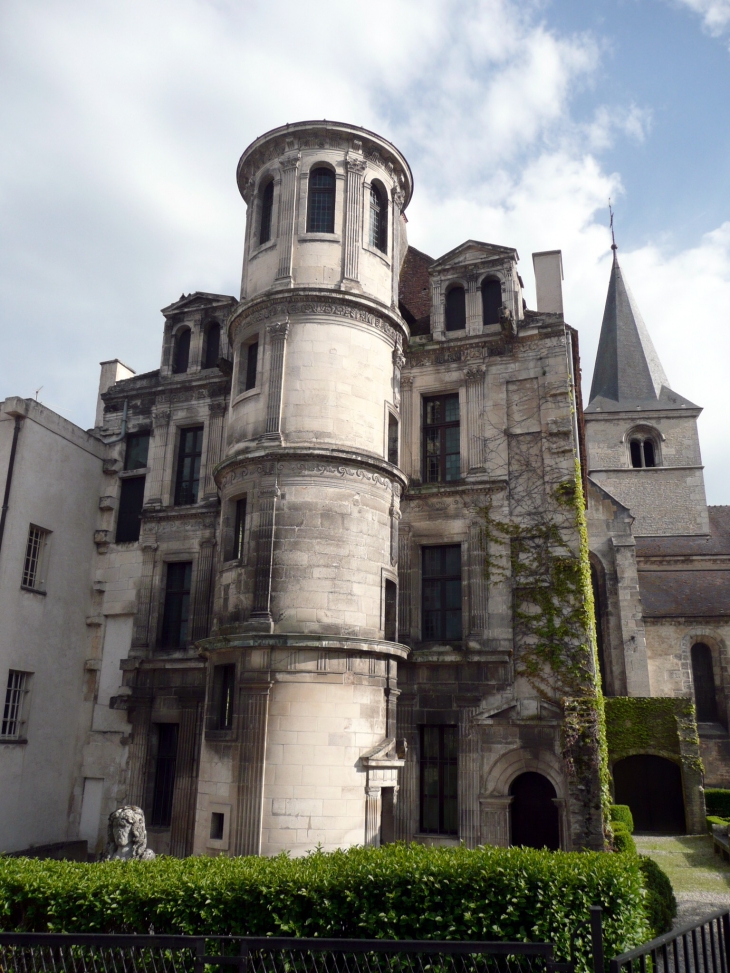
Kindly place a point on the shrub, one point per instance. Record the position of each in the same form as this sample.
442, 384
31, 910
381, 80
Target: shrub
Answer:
622, 838
660, 901
397, 892
717, 801
713, 819
622, 813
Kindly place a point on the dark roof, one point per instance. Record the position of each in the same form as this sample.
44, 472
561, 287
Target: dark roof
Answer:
414, 291
718, 541
628, 373
688, 593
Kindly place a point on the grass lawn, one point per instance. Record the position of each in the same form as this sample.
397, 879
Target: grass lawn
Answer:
701, 880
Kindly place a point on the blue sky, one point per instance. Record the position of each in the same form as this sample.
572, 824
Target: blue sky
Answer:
121, 125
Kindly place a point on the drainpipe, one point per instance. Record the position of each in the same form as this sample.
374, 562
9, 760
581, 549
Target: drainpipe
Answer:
118, 439
9, 478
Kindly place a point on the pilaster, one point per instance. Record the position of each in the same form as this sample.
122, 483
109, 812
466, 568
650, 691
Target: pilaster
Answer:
353, 218
438, 311
404, 583
186, 779
474, 412
161, 425
468, 779
406, 430
477, 580
253, 713
473, 306
144, 595
261, 618
495, 821
213, 453
277, 334
201, 598
139, 717
287, 198
373, 804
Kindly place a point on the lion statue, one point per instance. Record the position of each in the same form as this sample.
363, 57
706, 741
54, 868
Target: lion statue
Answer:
127, 836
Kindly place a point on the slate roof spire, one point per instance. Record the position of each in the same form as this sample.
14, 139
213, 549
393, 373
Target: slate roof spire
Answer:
628, 373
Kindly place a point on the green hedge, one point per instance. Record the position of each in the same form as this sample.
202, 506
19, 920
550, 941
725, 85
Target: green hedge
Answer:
661, 903
713, 819
621, 814
397, 892
717, 801
623, 840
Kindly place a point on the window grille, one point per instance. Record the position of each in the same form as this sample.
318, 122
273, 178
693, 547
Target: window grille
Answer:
138, 446
239, 528
267, 207
177, 604
165, 766
188, 466
321, 202
491, 301
456, 309
182, 352
441, 436
439, 759
212, 345
33, 563
378, 218
441, 592
13, 713
392, 439
224, 681
131, 500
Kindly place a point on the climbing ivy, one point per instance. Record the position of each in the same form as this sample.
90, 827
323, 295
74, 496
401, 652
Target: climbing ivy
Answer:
660, 725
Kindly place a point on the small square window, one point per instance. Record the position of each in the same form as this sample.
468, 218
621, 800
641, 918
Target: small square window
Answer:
35, 557
217, 821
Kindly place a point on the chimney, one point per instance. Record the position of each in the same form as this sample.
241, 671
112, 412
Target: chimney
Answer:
111, 372
548, 266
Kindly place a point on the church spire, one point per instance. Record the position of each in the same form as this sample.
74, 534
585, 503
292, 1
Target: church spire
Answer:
628, 373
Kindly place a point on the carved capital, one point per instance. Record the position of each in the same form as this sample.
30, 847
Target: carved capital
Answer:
356, 145
399, 198
475, 373
356, 165
406, 383
290, 161
161, 418
398, 359
278, 330
217, 408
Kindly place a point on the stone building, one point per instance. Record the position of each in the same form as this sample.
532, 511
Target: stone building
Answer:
310, 617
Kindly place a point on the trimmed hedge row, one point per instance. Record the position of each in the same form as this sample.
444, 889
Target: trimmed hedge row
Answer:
397, 892
621, 814
717, 801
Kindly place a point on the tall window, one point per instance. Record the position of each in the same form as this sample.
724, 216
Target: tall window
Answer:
177, 604
224, 681
491, 300
392, 439
252, 357
455, 309
643, 453
239, 529
704, 683
164, 787
15, 711
378, 218
321, 202
138, 446
188, 465
181, 354
441, 580
34, 563
439, 757
212, 345
131, 500
390, 622
267, 208
441, 458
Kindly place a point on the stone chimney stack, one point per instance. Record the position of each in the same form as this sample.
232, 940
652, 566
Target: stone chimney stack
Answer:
548, 266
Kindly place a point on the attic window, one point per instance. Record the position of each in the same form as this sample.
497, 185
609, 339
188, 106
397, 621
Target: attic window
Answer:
491, 300
455, 309
643, 453
181, 352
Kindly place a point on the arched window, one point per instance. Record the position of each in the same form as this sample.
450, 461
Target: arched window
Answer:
378, 218
267, 206
212, 345
704, 683
643, 453
321, 202
491, 300
181, 354
534, 816
455, 308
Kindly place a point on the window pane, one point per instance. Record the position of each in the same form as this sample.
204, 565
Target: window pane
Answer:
648, 453
636, 453
431, 561
267, 203
321, 206
441, 592
131, 500
188, 470
138, 445
452, 409
455, 309
212, 346
182, 351
452, 624
164, 785
491, 301
239, 528
252, 355
431, 742
177, 604
452, 559
433, 411
438, 785
451, 742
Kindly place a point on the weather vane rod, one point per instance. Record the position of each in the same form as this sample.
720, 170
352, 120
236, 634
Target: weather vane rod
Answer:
613, 238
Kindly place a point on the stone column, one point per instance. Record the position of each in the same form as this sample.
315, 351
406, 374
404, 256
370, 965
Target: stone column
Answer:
468, 779
252, 718
473, 306
406, 429
186, 779
353, 218
202, 594
396, 235
161, 424
261, 613
395, 516
474, 412
287, 214
144, 594
438, 311
140, 718
277, 342
372, 816
213, 454
495, 821
477, 580
404, 583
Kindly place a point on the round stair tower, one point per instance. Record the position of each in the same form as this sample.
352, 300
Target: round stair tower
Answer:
299, 747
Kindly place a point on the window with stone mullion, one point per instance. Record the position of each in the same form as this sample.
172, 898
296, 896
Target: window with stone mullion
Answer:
441, 439
439, 768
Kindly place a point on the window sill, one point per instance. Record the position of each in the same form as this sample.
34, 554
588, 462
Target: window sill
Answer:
12, 740
377, 253
263, 247
233, 563
35, 591
312, 237
220, 736
442, 840
246, 395
130, 474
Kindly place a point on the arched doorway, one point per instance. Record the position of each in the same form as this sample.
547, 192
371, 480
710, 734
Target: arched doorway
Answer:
652, 788
534, 817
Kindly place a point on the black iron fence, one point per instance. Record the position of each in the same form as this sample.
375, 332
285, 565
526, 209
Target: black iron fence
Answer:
700, 947
84, 953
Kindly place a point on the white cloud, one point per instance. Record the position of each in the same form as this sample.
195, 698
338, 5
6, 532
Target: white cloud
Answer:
122, 125
715, 14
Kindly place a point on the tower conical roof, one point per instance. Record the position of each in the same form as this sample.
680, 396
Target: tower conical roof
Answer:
628, 373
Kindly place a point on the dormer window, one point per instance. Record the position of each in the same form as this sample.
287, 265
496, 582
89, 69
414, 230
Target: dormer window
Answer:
455, 308
321, 201
378, 218
643, 452
181, 355
212, 345
491, 300
267, 208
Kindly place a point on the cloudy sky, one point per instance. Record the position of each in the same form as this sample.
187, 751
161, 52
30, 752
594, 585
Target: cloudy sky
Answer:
121, 124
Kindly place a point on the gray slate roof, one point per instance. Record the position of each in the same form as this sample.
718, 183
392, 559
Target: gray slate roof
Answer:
628, 373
